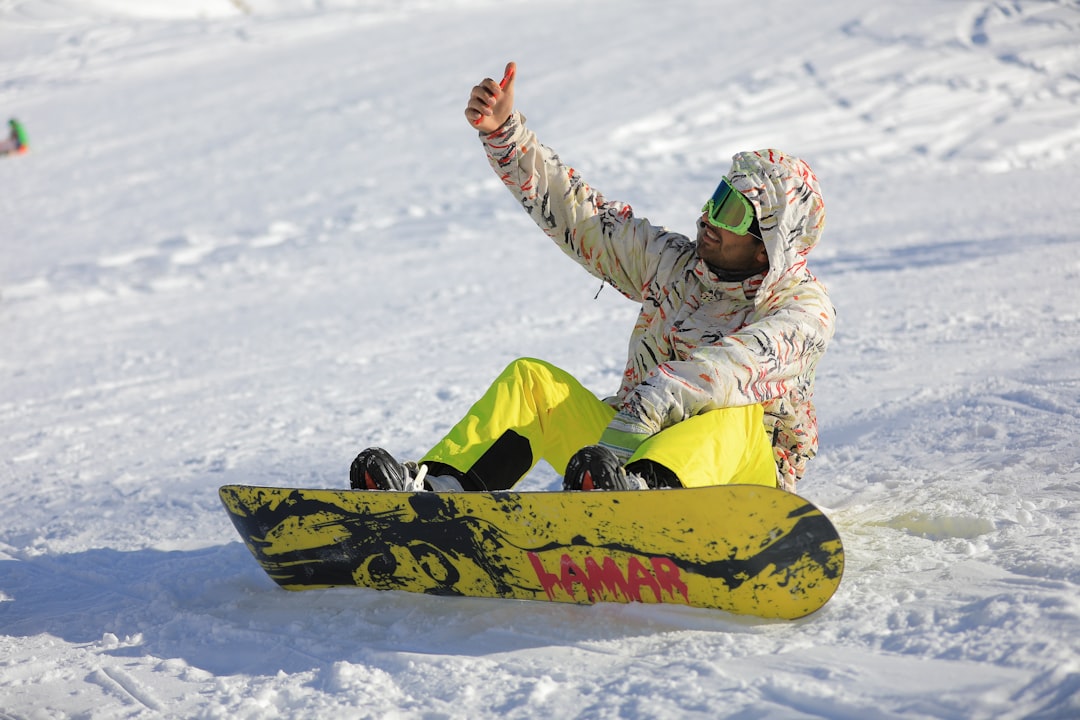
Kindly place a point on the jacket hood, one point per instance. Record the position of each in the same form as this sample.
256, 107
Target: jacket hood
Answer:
790, 210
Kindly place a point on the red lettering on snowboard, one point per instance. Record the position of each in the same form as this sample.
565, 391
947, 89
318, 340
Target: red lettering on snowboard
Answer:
609, 576
667, 574
547, 580
661, 576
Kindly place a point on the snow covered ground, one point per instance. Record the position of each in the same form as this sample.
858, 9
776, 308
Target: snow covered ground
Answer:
255, 236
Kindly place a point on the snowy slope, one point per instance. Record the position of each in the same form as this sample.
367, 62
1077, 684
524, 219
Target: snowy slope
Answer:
255, 236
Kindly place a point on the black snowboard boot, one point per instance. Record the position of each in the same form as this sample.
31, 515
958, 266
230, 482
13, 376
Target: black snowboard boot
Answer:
597, 468
654, 474
376, 469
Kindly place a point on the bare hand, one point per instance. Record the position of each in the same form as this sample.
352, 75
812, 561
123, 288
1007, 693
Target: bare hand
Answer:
491, 103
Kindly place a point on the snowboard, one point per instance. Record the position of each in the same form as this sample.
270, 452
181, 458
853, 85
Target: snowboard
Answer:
744, 549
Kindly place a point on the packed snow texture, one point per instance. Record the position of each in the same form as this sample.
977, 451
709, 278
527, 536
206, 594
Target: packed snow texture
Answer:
254, 236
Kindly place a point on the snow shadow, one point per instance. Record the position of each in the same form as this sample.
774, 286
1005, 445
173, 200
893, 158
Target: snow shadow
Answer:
943, 253
216, 610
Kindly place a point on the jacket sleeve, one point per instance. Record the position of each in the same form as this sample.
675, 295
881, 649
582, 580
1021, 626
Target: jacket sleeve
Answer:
601, 235
770, 359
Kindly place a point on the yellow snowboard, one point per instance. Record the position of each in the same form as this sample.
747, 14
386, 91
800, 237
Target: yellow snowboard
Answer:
741, 548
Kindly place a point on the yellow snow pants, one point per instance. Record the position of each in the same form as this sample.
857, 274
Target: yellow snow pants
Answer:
535, 411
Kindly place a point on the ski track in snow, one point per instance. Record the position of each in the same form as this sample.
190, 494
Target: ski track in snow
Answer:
254, 237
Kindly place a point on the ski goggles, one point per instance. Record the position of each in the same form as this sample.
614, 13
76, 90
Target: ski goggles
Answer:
729, 209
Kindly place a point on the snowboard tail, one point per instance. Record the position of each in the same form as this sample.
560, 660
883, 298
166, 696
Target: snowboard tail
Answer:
740, 548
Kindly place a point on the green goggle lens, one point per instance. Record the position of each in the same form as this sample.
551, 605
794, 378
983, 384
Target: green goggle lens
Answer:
729, 209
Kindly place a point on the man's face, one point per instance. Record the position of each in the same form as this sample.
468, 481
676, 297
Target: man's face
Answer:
728, 252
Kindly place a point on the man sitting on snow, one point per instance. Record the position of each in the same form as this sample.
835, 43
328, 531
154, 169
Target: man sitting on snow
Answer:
719, 378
